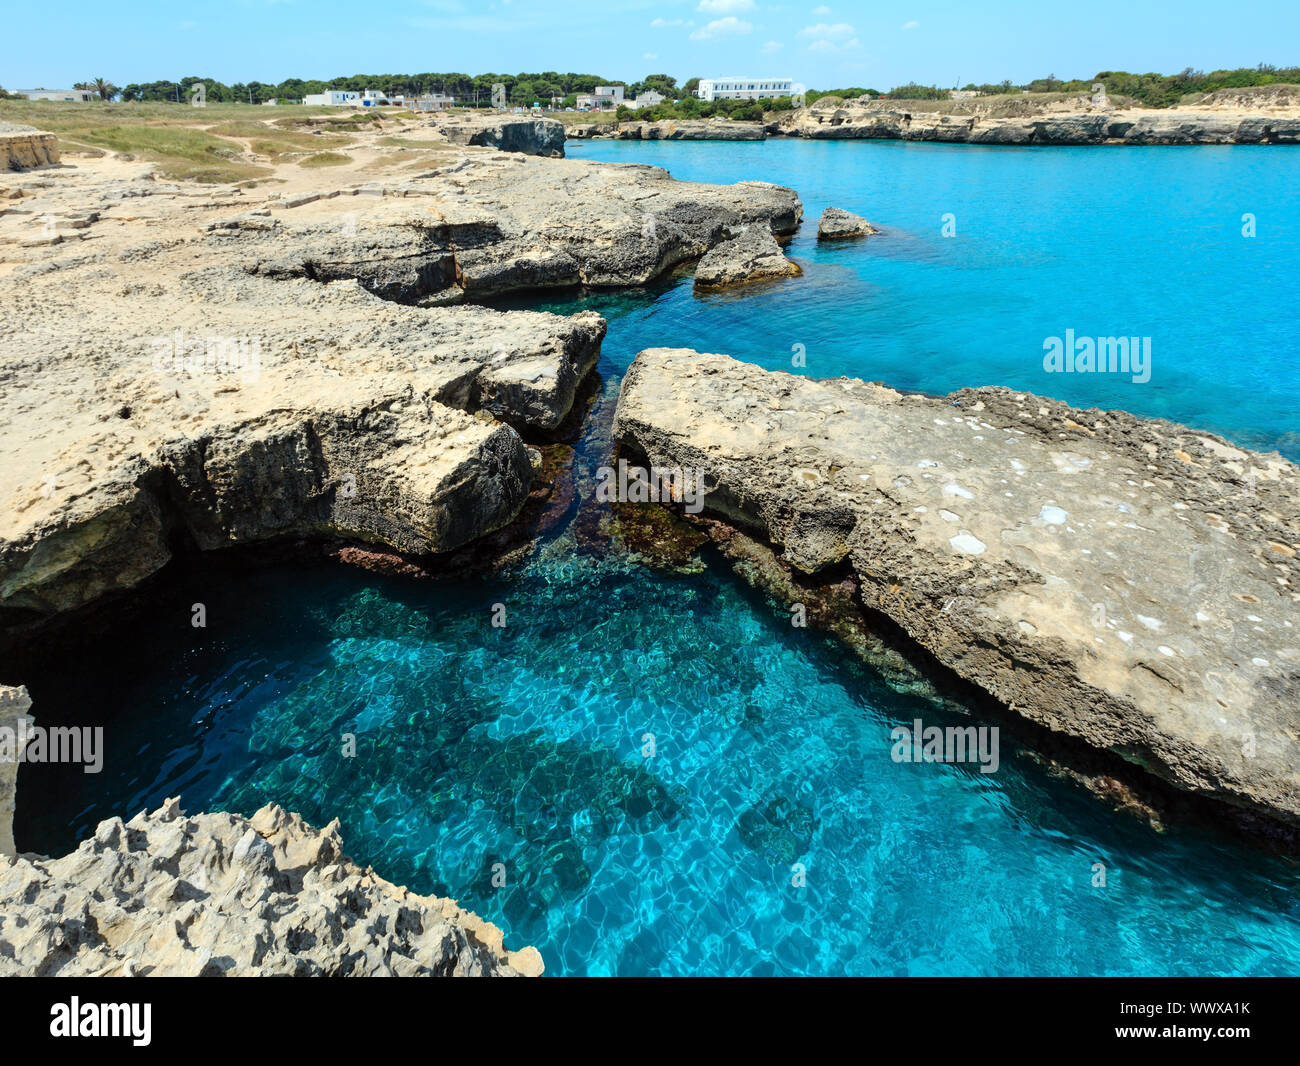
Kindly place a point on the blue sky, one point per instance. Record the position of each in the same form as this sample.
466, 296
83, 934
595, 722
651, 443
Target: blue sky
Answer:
822, 45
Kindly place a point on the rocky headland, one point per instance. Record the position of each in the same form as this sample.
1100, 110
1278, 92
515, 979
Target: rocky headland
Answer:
207, 367
1219, 118
1070, 123
1127, 583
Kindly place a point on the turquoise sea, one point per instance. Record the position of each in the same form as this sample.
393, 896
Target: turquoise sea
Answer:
518, 753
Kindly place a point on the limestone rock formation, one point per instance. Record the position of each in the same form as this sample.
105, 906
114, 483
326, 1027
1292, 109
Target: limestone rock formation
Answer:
589, 130
752, 256
15, 704
24, 147
865, 119
1130, 583
228, 367
531, 136
836, 224
171, 895
690, 130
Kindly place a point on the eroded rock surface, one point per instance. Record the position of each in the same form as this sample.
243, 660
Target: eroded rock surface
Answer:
865, 120
1131, 583
171, 895
532, 136
752, 256
219, 365
25, 147
15, 705
689, 130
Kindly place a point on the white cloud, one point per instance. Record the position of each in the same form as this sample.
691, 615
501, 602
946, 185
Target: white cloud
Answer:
911, 25
649, 55
772, 46
725, 7
823, 10
839, 32
663, 24
727, 27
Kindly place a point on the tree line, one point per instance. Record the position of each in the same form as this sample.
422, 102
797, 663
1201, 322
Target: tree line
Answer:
1150, 90
520, 89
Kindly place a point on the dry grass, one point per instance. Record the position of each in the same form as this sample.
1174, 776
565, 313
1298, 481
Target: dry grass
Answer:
325, 159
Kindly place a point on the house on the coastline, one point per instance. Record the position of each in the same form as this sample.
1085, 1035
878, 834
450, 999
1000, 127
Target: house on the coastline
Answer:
345, 98
744, 88
605, 98
649, 98
77, 96
431, 102
332, 98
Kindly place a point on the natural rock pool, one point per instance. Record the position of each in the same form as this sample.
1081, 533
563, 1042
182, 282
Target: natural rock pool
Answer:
515, 753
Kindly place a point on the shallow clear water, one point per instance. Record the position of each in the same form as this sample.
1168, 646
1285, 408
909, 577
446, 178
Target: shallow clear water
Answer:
522, 745
1140, 242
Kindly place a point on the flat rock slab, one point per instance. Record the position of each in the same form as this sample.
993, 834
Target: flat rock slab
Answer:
217, 895
231, 365
1131, 583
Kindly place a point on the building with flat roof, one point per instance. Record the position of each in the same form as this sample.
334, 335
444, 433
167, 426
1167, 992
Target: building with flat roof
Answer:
744, 88
76, 96
649, 98
345, 98
431, 102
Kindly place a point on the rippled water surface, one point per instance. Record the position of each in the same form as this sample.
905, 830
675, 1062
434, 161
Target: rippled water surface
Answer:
523, 745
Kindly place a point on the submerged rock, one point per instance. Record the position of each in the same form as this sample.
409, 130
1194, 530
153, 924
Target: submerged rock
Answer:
171, 895
752, 256
1126, 582
836, 224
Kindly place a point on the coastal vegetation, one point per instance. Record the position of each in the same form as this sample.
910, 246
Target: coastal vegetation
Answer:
561, 90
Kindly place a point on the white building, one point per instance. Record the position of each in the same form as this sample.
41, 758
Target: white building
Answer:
744, 88
605, 98
343, 98
332, 98
431, 102
77, 96
649, 98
